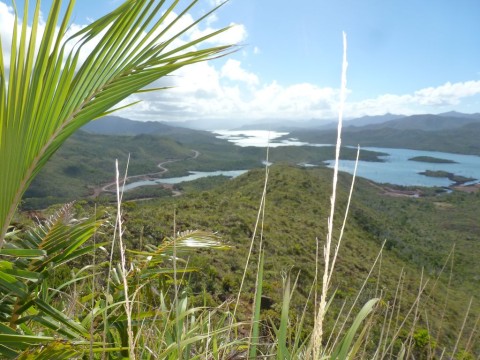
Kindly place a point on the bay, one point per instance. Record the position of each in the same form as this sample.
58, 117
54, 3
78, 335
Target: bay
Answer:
257, 138
396, 167
193, 175
399, 170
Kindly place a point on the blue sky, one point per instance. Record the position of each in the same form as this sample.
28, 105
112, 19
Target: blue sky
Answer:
405, 56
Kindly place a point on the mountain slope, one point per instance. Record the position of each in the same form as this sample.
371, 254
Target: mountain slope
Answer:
426, 122
297, 206
115, 125
461, 140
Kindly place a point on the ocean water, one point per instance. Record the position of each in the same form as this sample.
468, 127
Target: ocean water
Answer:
194, 175
396, 168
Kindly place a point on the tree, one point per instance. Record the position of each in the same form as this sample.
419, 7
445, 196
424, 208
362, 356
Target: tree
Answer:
46, 94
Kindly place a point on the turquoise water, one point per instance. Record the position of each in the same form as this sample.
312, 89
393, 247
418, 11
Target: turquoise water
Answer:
194, 175
396, 168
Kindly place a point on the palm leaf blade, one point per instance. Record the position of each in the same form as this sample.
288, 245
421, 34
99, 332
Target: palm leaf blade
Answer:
46, 100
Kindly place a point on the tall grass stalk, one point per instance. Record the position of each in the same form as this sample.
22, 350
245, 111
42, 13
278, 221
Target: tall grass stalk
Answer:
175, 284
390, 320
415, 317
447, 294
259, 220
459, 337
349, 200
472, 334
383, 335
255, 320
94, 269
318, 327
357, 298
127, 304
399, 328
108, 296
429, 329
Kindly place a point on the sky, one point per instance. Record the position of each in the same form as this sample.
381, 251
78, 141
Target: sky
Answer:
404, 57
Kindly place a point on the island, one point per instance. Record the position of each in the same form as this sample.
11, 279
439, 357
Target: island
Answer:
458, 179
434, 160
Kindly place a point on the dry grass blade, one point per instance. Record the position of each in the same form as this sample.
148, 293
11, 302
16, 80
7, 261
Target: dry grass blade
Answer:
318, 328
123, 262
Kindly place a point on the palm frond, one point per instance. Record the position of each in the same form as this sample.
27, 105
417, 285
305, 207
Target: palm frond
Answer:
49, 94
25, 265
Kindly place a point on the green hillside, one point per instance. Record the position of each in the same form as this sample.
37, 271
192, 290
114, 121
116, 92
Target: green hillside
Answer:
463, 140
419, 233
430, 240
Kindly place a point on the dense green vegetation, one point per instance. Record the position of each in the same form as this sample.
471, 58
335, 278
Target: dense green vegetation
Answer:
433, 160
463, 140
420, 233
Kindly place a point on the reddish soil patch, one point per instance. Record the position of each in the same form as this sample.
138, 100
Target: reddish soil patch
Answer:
385, 190
401, 193
467, 189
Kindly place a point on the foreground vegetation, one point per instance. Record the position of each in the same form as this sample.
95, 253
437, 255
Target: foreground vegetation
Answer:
419, 233
430, 242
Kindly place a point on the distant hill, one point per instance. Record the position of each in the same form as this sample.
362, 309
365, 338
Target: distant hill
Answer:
460, 115
319, 124
460, 140
368, 120
428, 122
115, 125
448, 132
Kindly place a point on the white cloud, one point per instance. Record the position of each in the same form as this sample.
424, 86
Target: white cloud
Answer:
428, 100
233, 70
215, 2
447, 94
298, 101
202, 92
6, 31
211, 19
234, 35
196, 81
7, 20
